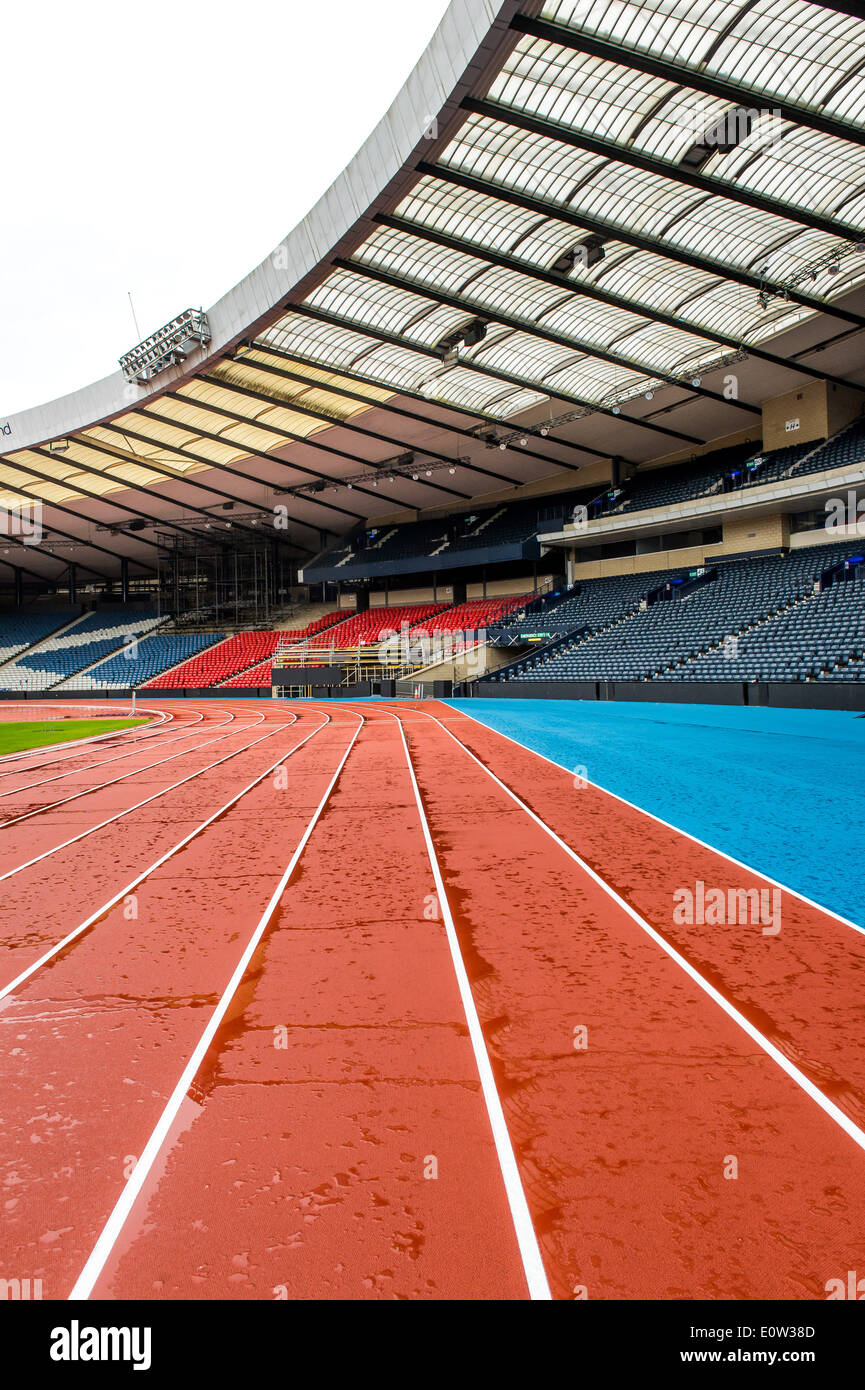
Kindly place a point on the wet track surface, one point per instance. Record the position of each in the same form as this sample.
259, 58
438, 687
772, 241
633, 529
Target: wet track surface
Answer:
335, 1140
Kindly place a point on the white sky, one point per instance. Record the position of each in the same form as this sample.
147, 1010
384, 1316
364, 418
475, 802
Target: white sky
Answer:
121, 170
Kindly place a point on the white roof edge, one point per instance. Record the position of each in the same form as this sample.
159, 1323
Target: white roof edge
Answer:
462, 32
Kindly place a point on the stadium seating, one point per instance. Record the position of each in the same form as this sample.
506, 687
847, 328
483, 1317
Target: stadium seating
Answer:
138, 662
594, 604
227, 659
224, 657
91, 638
821, 637
736, 468
752, 619
846, 447
18, 631
322, 624
365, 629
509, 524
475, 614
254, 677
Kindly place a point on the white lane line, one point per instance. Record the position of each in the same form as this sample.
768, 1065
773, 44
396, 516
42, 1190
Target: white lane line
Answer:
530, 1254
55, 849
740, 863
43, 758
53, 951
135, 729
101, 1251
134, 772
829, 1107
118, 757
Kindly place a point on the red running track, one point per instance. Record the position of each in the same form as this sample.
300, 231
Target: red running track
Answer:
239, 1001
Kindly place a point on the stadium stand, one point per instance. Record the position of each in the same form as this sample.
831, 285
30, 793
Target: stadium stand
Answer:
18, 631
366, 629
760, 618
821, 637
138, 662
596, 603
88, 640
224, 657
475, 614
489, 528
322, 624
846, 447
255, 677
228, 658
730, 470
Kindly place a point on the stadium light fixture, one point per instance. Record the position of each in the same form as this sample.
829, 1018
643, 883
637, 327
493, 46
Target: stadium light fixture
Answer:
169, 346
468, 336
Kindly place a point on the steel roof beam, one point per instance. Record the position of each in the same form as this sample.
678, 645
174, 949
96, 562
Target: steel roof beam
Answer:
407, 414
603, 296
371, 465
586, 222
34, 574
507, 378
76, 516
480, 416
662, 168
534, 329
333, 481
354, 395
123, 458
253, 453
683, 76
96, 496
156, 468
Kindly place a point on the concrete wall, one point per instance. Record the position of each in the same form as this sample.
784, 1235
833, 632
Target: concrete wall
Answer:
820, 408
782, 695
641, 564
496, 588
743, 533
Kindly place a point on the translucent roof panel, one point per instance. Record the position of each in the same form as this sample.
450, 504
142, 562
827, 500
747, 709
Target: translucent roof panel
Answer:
594, 133
787, 49
397, 366
651, 282
608, 101
675, 216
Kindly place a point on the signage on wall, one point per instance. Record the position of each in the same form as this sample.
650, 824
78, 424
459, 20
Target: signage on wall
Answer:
790, 425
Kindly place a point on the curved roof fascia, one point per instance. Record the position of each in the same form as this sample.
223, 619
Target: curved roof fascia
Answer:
470, 34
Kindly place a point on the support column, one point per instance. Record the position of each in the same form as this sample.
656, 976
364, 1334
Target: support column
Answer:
73, 583
124, 580
19, 587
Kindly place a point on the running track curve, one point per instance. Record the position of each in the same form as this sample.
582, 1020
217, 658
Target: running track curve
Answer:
330, 1001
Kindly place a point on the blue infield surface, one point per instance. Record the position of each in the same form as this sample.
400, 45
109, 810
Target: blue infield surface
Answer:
783, 790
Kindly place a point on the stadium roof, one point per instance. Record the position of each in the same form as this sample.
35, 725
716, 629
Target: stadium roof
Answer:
579, 216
